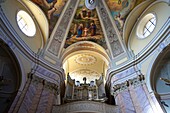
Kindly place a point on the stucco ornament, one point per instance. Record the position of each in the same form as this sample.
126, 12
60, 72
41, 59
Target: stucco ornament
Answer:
91, 4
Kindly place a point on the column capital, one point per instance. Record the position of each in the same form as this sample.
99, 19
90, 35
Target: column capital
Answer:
134, 82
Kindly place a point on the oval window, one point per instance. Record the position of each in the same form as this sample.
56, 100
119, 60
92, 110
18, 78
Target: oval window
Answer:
25, 23
146, 26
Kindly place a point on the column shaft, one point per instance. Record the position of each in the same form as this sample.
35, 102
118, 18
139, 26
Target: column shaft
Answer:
21, 98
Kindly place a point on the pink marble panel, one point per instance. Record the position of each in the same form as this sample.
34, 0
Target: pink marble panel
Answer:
43, 101
125, 102
25, 106
142, 100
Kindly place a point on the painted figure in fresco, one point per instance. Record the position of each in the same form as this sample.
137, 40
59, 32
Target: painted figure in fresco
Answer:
75, 29
57, 8
117, 5
85, 31
120, 21
51, 6
88, 13
92, 29
48, 4
79, 30
120, 9
84, 13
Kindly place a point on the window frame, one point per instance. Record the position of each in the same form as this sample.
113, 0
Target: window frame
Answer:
144, 21
25, 23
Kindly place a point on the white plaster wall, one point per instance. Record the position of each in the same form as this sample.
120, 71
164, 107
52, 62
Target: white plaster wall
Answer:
161, 9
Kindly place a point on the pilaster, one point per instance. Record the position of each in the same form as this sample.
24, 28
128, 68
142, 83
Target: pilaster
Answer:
59, 34
39, 82
138, 95
21, 96
114, 42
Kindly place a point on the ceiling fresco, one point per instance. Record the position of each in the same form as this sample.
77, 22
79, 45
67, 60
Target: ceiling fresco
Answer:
52, 9
85, 27
91, 75
120, 9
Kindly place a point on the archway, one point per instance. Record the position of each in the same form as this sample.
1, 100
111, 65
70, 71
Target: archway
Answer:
9, 77
85, 55
87, 64
160, 79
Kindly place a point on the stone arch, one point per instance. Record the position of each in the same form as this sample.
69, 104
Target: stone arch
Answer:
160, 78
10, 77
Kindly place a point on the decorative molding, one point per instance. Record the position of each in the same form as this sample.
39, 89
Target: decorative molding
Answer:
79, 74
47, 84
48, 71
5, 38
46, 74
135, 82
111, 35
13, 40
86, 106
61, 30
85, 59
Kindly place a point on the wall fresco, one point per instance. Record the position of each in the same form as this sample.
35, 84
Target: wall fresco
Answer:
52, 9
120, 9
85, 27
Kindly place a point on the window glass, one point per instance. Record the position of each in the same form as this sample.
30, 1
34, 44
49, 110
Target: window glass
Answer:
25, 23
149, 27
146, 26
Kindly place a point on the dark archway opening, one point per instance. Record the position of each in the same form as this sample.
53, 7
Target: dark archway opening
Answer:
10, 77
160, 79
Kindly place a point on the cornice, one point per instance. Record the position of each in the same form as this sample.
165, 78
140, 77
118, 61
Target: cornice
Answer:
38, 80
14, 41
134, 82
161, 38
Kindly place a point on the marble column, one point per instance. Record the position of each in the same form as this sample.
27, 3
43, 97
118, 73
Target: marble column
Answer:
134, 96
40, 85
124, 99
21, 96
50, 102
47, 98
152, 99
135, 101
